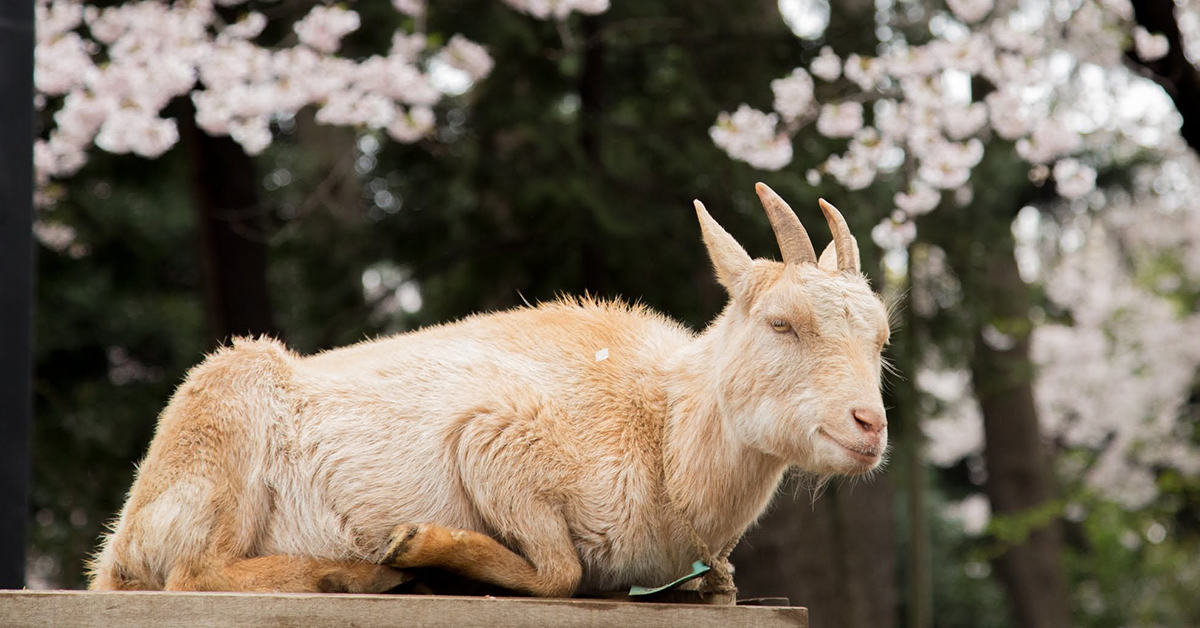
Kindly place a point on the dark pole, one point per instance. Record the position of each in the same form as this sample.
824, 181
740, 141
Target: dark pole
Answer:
16, 283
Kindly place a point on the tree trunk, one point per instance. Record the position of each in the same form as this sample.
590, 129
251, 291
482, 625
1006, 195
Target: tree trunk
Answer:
232, 231
1174, 72
834, 555
16, 289
1019, 478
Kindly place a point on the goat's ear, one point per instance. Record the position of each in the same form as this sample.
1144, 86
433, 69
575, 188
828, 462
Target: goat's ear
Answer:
829, 259
728, 257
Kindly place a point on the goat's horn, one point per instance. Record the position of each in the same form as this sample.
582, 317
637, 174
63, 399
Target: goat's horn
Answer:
841, 236
793, 240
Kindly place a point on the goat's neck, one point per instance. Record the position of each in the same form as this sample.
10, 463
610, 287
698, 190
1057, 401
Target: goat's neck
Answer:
717, 482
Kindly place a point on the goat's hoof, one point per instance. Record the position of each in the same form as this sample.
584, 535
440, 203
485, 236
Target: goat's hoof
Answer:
403, 544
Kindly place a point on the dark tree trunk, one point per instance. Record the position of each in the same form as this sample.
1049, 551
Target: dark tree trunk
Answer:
1174, 72
232, 228
1019, 478
16, 288
834, 556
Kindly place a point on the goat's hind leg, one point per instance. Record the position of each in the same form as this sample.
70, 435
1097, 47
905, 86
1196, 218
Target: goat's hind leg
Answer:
493, 457
480, 557
465, 552
289, 574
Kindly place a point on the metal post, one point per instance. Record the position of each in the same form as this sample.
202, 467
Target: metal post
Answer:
16, 283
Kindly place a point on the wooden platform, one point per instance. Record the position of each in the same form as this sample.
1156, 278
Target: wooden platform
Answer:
84, 609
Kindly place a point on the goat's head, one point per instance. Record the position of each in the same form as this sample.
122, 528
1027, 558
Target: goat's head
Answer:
801, 345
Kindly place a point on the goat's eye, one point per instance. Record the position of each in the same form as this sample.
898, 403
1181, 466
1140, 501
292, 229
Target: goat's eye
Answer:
781, 326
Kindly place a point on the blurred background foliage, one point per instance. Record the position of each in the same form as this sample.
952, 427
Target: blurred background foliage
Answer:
571, 169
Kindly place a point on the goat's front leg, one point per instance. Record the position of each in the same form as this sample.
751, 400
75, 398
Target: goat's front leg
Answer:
480, 557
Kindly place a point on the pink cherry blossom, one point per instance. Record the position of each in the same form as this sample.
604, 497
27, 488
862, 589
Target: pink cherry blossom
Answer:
467, 56
558, 9
863, 71
1050, 140
793, 94
1006, 114
920, 199
325, 26
353, 108
827, 66
970, 11
136, 131
253, 133
1073, 179
1150, 47
407, 46
412, 125
891, 235
414, 8
851, 170
248, 27
963, 122
840, 119
57, 18
62, 64
753, 136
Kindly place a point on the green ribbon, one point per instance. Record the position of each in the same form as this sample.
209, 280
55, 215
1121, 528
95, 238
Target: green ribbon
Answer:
698, 569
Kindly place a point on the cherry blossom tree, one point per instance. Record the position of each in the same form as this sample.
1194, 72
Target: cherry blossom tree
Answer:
109, 74
1120, 281
1036, 75
141, 76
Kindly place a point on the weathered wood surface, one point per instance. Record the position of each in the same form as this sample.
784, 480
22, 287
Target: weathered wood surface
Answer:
84, 609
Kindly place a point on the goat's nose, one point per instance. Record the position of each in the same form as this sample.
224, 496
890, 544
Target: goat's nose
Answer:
869, 421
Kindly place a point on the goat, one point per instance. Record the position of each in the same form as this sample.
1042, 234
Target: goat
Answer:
576, 446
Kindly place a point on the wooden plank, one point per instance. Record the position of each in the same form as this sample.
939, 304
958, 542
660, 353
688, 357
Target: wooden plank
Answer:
86, 609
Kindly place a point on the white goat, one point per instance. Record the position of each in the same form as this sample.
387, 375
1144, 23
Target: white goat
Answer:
571, 447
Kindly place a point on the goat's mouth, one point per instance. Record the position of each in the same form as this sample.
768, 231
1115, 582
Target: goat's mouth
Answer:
859, 453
